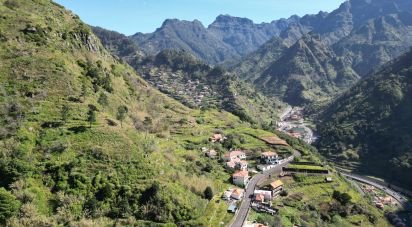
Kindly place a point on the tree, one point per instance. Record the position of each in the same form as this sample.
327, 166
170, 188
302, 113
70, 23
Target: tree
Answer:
208, 193
9, 205
121, 114
83, 93
91, 115
65, 113
103, 100
343, 198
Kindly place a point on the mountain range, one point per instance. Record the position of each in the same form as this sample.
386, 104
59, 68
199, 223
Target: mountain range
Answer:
226, 39
355, 39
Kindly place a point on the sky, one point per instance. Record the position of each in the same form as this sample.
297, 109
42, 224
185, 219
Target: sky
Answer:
131, 16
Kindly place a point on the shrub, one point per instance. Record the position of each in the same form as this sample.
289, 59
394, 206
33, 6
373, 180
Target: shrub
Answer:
343, 198
103, 99
8, 205
284, 193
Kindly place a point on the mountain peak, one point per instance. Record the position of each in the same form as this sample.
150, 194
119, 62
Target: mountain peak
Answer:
174, 22
223, 19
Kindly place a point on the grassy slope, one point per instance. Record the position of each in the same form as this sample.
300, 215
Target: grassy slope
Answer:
63, 170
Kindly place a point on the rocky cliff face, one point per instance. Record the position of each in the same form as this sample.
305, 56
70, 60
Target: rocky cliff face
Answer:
227, 38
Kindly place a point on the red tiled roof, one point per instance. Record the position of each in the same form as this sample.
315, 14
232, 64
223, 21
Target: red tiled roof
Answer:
241, 174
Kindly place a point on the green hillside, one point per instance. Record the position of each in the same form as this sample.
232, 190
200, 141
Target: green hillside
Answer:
182, 76
369, 126
85, 141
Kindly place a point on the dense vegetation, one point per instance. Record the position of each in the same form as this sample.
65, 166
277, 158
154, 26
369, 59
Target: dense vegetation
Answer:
369, 126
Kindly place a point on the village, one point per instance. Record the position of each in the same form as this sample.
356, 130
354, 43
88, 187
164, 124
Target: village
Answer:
292, 123
191, 92
260, 180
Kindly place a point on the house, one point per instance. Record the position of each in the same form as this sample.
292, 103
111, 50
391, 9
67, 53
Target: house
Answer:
233, 155
241, 178
269, 157
238, 193
276, 187
260, 198
263, 167
241, 165
227, 194
267, 195
211, 153
232, 164
217, 138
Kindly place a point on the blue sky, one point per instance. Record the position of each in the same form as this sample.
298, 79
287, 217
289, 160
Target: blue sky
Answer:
131, 16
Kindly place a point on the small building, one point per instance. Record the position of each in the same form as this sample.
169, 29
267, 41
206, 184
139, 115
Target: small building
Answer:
241, 178
232, 164
211, 153
266, 194
276, 187
217, 138
238, 194
237, 164
241, 165
269, 157
227, 194
233, 155
232, 208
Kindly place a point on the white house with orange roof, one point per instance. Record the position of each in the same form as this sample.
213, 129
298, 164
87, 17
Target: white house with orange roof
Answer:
238, 193
240, 178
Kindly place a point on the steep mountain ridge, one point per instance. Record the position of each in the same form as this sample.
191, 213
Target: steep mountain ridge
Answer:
306, 72
191, 36
377, 42
354, 39
368, 126
226, 39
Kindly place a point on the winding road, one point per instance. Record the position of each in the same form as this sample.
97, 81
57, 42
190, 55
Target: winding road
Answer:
403, 200
243, 211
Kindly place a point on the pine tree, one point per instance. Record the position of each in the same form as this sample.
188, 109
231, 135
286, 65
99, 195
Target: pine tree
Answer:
208, 193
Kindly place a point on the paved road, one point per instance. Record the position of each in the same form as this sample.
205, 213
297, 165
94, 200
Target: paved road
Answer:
403, 200
246, 202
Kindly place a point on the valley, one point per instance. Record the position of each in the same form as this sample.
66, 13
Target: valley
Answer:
303, 121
